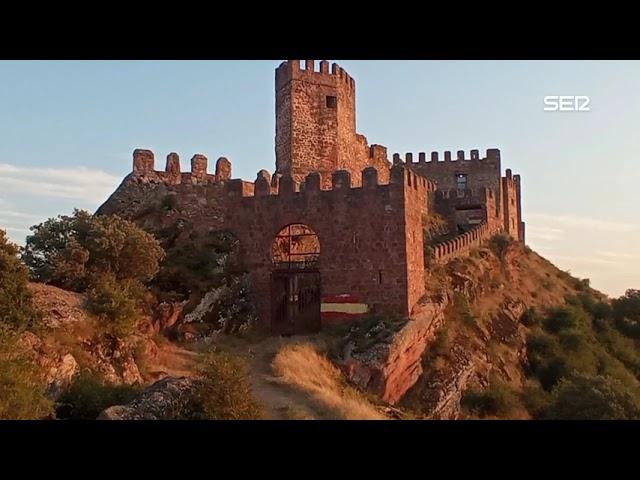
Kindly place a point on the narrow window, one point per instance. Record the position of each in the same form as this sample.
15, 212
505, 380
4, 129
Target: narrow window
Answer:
332, 102
461, 181
380, 277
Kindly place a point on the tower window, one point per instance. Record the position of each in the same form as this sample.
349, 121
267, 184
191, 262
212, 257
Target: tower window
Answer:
332, 102
461, 181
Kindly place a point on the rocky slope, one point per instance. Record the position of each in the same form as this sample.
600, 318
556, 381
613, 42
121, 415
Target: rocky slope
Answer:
467, 330
72, 340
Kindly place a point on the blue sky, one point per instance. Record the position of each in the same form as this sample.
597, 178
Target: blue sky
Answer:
68, 129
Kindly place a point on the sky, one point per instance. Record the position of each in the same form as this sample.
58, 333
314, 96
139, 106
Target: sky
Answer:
68, 130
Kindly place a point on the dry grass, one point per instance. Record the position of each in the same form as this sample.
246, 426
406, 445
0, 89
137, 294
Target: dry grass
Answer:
302, 367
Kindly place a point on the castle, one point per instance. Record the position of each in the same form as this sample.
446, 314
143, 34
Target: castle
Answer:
337, 231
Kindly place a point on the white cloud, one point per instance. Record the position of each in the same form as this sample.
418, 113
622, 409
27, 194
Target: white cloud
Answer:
73, 183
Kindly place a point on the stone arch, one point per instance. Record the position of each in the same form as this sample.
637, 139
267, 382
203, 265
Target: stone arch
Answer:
295, 280
297, 246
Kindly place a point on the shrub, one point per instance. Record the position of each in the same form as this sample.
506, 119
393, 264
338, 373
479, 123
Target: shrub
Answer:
563, 318
23, 392
499, 244
72, 250
88, 395
530, 317
16, 301
535, 398
117, 304
225, 392
498, 400
583, 397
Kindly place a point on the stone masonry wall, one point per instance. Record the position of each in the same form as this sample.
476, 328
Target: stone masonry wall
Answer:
370, 236
316, 124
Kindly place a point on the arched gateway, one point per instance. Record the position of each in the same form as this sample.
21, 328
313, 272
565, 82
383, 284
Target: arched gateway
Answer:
295, 281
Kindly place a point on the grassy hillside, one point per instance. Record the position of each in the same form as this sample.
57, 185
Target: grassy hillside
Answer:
523, 339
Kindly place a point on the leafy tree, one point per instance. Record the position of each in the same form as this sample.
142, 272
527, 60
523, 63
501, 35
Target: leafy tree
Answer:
584, 397
626, 313
71, 251
16, 307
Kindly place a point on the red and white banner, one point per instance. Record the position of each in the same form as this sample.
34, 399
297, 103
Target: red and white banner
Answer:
342, 308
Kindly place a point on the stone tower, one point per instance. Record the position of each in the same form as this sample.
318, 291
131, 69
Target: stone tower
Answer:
316, 123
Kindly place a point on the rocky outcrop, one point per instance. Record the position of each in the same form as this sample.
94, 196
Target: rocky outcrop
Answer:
168, 399
59, 308
470, 362
70, 341
166, 316
57, 364
385, 358
113, 358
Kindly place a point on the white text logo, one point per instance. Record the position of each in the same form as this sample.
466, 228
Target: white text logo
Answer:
567, 103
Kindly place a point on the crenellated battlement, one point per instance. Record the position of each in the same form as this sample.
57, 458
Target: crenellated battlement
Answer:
401, 179
491, 155
462, 244
318, 72
144, 168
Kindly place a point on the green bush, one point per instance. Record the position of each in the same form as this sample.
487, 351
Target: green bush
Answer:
88, 395
70, 251
116, 303
498, 400
584, 397
535, 398
23, 392
530, 317
16, 303
225, 392
563, 318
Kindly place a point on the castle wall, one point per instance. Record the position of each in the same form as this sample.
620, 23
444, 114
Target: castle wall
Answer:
370, 236
481, 172
316, 124
511, 207
365, 252
467, 207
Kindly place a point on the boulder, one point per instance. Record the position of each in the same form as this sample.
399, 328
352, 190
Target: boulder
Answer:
168, 399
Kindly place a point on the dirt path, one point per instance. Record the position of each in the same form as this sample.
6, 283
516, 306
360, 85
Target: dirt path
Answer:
281, 402
174, 361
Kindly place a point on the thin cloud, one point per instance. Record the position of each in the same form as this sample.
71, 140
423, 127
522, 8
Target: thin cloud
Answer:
619, 255
18, 215
582, 260
79, 183
582, 222
544, 233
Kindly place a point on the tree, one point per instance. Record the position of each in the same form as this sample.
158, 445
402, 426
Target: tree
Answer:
16, 307
584, 397
626, 313
71, 251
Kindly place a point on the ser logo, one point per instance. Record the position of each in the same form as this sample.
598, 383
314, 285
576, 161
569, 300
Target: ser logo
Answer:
567, 103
